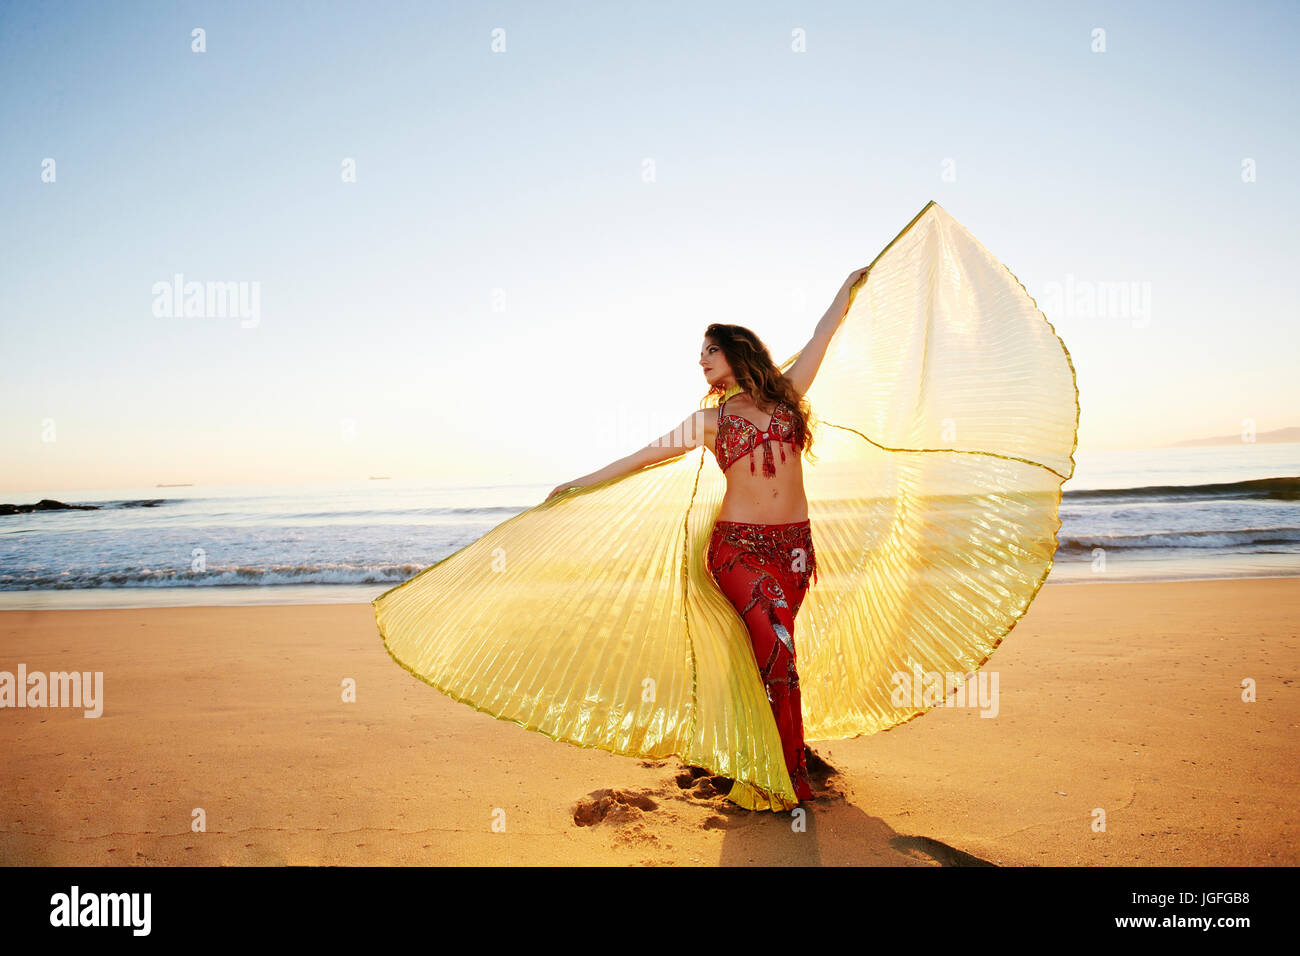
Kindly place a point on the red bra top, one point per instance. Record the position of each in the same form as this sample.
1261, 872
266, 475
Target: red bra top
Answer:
738, 435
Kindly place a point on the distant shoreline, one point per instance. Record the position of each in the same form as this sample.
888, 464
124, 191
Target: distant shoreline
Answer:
1278, 436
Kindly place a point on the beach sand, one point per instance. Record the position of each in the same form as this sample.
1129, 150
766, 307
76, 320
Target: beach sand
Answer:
1121, 697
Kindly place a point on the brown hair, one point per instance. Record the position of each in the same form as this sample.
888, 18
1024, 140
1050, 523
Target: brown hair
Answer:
755, 372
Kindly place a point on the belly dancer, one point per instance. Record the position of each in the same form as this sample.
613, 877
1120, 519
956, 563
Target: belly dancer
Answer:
761, 552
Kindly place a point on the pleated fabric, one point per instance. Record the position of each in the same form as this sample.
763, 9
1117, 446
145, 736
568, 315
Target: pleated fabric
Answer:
946, 416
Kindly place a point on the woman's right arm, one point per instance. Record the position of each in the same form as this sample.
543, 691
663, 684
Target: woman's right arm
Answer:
692, 431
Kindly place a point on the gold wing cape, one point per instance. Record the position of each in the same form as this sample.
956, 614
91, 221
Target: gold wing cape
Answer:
948, 416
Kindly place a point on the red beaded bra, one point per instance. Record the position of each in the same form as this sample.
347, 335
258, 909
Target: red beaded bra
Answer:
735, 440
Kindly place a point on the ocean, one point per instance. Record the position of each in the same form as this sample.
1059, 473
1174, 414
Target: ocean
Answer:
1134, 515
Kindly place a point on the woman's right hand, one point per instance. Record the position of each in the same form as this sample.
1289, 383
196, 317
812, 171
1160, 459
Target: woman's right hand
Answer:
854, 276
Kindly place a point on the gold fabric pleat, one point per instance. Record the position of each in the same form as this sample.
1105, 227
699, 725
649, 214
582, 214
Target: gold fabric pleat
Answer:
947, 416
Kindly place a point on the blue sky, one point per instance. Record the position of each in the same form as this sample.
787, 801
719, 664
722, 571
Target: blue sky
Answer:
501, 295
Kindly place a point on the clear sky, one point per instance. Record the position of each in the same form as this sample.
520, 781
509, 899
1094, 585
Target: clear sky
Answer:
515, 286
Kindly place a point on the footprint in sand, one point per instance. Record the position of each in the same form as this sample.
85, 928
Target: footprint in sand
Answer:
819, 771
705, 784
613, 806
627, 809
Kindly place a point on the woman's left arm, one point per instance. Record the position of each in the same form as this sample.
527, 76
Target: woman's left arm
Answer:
805, 367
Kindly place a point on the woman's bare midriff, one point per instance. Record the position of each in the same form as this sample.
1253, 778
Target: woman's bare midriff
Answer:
757, 499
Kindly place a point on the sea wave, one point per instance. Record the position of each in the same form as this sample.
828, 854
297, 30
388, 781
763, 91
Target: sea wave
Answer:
216, 577
1282, 489
1237, 539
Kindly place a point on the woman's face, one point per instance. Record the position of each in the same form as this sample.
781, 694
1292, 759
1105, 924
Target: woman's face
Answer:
714, 363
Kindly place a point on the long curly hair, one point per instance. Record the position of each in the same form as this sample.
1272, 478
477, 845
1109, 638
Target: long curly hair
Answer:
755, 372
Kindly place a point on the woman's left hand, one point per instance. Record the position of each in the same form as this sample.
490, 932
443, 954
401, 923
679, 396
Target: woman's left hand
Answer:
561, 489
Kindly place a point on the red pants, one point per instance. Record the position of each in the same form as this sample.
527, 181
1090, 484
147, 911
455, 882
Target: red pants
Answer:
764, 570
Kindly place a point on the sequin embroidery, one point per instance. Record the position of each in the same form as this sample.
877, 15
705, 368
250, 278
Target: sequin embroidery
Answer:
788, 546
737, 436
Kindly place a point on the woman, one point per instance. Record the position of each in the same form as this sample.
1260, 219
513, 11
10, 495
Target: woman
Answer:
761, 554
647, 609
